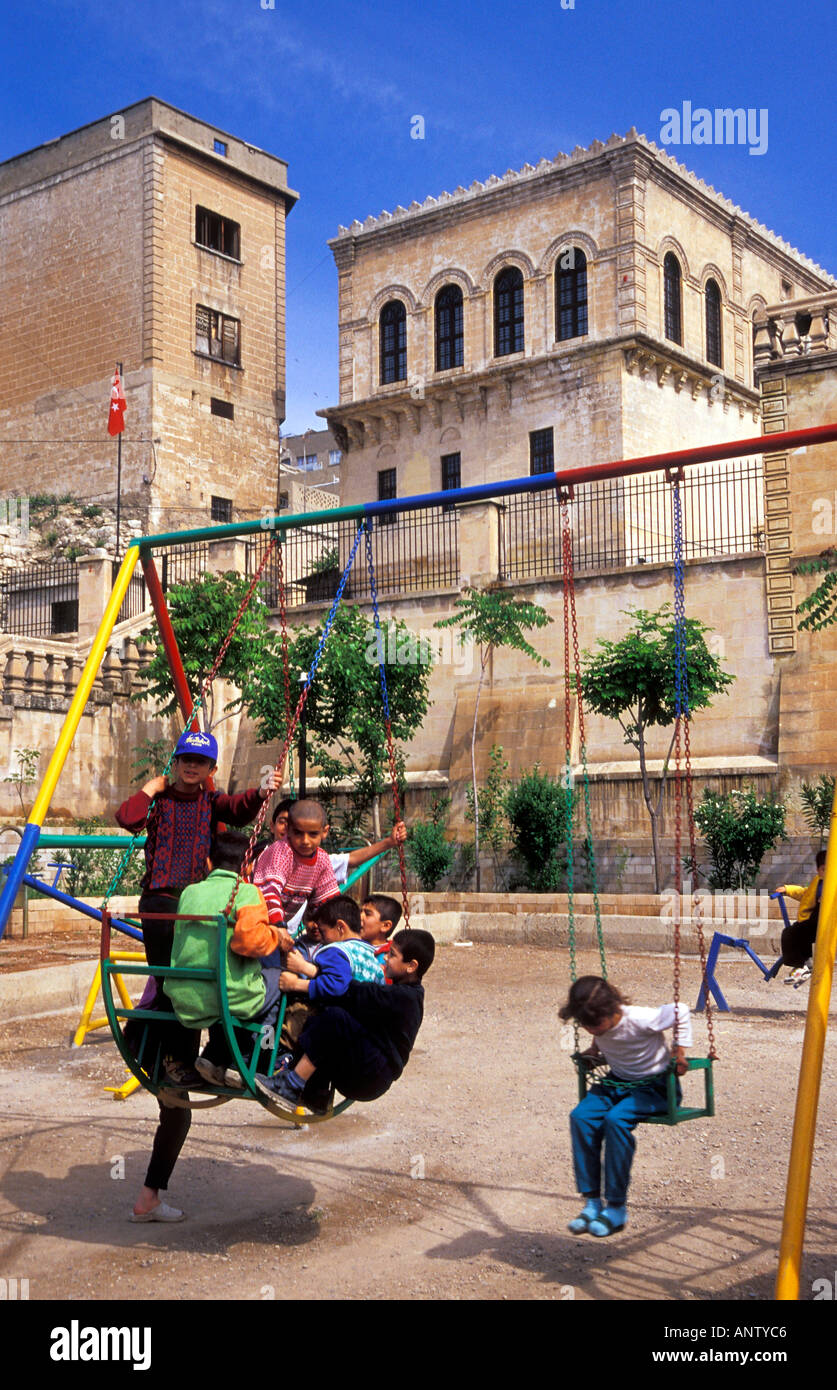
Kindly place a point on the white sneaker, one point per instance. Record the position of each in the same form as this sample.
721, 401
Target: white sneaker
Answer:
798, 976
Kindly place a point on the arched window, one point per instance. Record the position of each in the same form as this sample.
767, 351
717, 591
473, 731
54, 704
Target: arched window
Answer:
714, 340
571, 294
449, 336
508, 312
673, 312
393, 330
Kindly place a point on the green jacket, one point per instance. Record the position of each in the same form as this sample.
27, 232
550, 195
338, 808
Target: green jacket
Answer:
197, 1003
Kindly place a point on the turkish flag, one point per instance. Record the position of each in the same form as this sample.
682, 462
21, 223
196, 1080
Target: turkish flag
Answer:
118, 404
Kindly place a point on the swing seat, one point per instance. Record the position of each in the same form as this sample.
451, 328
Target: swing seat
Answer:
676, 1113
147, 1063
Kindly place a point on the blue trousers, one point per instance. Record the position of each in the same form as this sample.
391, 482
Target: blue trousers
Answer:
608, 1115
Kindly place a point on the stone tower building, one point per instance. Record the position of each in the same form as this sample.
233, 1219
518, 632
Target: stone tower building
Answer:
594, 307
151, 238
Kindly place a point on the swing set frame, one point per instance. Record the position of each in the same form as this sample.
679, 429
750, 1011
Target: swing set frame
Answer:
140, 550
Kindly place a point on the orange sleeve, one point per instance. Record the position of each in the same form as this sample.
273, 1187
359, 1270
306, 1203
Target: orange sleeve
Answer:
253, 934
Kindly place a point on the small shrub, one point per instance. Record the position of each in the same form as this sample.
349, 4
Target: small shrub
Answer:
537, 809
817, 800
90, 511
429, 855
738, 830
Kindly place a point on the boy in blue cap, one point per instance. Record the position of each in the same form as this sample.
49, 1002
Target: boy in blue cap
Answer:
180, 828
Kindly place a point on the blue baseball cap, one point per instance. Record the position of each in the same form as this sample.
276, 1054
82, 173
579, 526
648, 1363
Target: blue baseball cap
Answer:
200, 745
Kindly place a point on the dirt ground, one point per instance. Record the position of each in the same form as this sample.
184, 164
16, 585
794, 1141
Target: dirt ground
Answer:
455, 1185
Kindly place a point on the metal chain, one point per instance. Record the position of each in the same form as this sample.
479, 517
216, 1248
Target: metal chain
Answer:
199, 703
285, 671
569, 587
682, 713
338, 597
393, 772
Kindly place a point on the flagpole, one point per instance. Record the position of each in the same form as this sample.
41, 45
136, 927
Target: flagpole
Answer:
118, 474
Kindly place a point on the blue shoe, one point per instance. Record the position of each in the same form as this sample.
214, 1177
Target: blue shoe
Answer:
590, 1212
281, 1090
608, 1222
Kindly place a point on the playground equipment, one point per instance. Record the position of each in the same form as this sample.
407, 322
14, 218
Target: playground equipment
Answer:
588, 1069
739, 943
141, 548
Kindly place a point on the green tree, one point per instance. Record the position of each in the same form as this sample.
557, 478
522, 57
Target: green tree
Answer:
632, 680
817, 801
739, 829
26, 773
202, 613
494, 825
492, 619
344, 710
820, 607
429, 854
537, 809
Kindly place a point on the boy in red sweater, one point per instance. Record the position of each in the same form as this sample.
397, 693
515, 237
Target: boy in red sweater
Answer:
294, 872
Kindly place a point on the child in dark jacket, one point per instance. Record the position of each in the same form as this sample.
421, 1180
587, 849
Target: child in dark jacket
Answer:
361, 1043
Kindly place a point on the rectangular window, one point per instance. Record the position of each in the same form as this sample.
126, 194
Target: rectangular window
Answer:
64, 616
221, 509
217, 233
334, 458
283, 501
217, 336
541, 457
387, 490
307, 462
451, 474
219, 147
225, 409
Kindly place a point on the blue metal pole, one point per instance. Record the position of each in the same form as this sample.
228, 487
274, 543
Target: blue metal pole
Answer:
69, 901
16, 871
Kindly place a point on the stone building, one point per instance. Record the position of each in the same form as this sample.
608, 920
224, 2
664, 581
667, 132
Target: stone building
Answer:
151, 238
310, 468
594, 307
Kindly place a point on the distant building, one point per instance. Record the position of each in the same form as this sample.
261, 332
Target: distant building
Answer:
594, 307
154, 239
309, 462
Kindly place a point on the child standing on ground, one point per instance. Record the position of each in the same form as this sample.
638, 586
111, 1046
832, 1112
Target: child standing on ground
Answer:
180, 826
631, 1041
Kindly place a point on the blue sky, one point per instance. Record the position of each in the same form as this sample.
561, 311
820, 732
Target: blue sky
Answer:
332, 89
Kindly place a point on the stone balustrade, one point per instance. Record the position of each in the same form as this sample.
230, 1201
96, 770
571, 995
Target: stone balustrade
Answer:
42, 674
795, 328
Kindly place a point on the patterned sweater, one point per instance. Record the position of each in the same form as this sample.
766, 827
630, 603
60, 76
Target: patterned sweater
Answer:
180, 830
290, 882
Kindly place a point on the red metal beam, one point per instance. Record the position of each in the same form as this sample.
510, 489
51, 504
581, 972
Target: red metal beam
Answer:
161, 613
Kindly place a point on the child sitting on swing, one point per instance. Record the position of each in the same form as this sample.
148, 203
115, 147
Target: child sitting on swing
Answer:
631, 1041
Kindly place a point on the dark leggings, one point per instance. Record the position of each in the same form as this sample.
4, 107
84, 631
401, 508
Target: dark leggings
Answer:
170, 1135
798, 939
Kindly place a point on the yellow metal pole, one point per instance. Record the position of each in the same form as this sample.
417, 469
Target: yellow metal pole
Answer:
84, 1024
810, 1074
88, 675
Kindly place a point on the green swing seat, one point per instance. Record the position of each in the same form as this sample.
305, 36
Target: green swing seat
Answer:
147, 1064
676, 1113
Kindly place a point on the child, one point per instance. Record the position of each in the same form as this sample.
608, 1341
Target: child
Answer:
380, 916
798, 939
179, 834
295, 873
342, 863
631, 1041
251, 991
325, 972
360, 1044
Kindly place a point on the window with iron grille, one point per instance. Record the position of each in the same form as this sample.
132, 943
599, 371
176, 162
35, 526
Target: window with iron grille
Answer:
393, 331
449, 332
217, 336
217, 233
671, 288
714, 341
508, 312
451, 475
221, 509
541, 456
571, 294
387, 490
